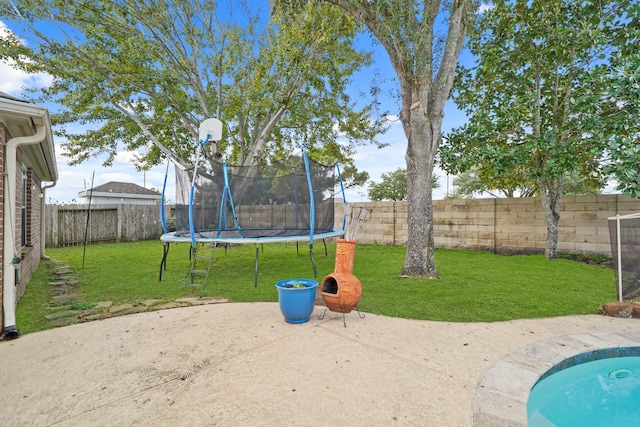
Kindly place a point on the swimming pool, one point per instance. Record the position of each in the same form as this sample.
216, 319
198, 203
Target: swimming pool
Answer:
503, 392
602, 391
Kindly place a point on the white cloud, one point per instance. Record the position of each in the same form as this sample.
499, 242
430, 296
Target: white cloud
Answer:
125, 158
13, 80
484, 7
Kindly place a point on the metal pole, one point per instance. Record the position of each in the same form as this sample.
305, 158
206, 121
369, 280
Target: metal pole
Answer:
619, 258
88, 224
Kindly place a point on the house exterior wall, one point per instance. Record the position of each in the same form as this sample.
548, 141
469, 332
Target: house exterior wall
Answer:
3, 140
17, 214
129, 200
29, 254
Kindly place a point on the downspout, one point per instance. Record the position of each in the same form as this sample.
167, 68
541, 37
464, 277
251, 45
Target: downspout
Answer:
43, 222
11, 259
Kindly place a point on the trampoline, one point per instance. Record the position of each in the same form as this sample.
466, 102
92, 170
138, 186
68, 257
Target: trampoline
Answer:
291, 200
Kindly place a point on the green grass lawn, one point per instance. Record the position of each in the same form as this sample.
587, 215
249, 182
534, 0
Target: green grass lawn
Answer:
475, 286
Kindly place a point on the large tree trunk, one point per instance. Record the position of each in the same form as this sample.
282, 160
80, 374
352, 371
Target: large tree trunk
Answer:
407, 32
551, 195
423, 140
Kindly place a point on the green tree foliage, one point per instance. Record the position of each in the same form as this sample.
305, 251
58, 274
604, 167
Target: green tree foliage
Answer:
144, 75
393, 186
423, 40
534, 60
610, 114
477, 181
471, 183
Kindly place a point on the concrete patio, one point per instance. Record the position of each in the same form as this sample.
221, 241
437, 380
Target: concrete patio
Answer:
242, 365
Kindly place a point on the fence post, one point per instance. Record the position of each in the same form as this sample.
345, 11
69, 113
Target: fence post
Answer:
52, 220
119, 209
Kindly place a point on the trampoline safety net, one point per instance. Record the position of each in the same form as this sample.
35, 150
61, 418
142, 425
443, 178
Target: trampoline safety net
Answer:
279, 199
626, 254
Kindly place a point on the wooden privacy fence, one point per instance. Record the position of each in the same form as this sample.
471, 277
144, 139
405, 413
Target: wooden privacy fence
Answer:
499, 225
67, 225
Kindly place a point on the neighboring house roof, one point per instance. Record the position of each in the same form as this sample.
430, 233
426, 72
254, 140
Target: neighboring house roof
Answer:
21, 118
122, 190
123, 187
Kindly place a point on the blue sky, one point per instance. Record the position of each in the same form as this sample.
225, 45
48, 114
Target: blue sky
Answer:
73, 179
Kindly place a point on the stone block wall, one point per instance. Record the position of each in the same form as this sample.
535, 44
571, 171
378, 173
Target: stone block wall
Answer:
510, 225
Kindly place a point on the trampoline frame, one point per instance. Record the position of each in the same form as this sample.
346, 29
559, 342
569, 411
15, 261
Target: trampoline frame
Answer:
211, 129
169, 238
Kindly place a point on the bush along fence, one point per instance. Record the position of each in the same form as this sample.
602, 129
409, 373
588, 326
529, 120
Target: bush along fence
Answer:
514, 225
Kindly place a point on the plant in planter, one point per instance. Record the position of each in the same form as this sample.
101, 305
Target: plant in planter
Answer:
296, 298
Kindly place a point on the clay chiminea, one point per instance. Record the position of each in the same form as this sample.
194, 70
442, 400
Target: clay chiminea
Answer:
341, 290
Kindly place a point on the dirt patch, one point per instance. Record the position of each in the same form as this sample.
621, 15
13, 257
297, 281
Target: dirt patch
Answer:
600, 260
67, 307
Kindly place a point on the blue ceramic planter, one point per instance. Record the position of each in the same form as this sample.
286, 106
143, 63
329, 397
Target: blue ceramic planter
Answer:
296, 298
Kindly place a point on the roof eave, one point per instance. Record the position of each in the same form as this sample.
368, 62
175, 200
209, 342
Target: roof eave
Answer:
40, 157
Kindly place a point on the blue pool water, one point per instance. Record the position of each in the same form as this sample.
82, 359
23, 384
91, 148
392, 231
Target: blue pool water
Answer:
604, 392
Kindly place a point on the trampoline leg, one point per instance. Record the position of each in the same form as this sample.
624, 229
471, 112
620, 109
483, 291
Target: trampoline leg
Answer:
163, 263
313, 262
255, 271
